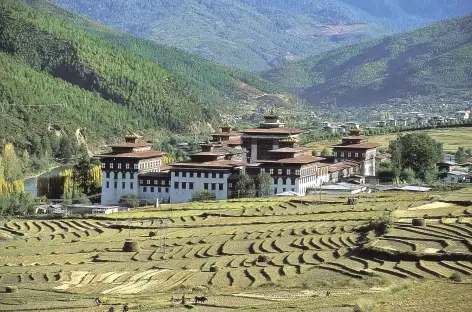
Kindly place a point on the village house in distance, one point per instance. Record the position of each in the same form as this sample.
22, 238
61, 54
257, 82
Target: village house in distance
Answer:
135, 168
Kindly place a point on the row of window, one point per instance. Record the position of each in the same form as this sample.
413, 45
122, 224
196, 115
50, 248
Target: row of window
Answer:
159, 189
281, 171
117, 174
155, 182
206, 175
206, 186
145, 165
284, 181
348, 155
123, 185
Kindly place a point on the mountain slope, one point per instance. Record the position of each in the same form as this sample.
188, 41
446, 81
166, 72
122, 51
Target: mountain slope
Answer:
106, 82
418, 62
259, 34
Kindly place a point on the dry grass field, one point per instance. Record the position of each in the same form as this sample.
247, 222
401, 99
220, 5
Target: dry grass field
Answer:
451, 139
264, 255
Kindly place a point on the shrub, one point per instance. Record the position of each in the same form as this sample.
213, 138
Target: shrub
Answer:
418, 222
456, 277
11, 289
152, 234
202, 195
130, 246
380, 226
129, 201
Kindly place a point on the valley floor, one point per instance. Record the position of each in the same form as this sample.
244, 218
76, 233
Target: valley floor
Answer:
264, 255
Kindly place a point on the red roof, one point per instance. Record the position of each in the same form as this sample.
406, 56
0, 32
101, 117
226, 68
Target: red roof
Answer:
225, 134
358, 146
161, 174
279, 130
135, 155
296, 160
131, 145
342, 165
217, 164
232, 142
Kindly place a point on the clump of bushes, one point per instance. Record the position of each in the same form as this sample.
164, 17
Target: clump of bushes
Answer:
380, 226
456, 277
152, 234
130, 246
11, 289
418, 222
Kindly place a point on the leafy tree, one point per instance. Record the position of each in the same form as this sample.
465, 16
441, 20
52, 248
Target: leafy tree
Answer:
129, 201
202, 195
461, 155
67, 148
245, 186
417, 151
326, 152
408, 176
264, 184
431, 176
12, 167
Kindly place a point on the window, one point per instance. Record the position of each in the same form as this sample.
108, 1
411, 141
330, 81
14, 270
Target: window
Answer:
293, 182
349, 155
275, 180
103, 165
141, 182
167, 190
205, 186
191, 174
144, 189
289, 172
131, 175
152, 189
262, 170
213, 186
123, 185
342, 154
159, 189
363, 155
221, 186
356, 155
293, 190
176, 173
213, 175
163, 182
111, 165
275, 191
116, 185
119, 165
107, 174
184, 174
127, 166
230, 185
206, 175
135, 166
108, 184
199, 174
221, 175
176, 185
284, 190
297, 172
190, 185
284, 182
184, 185
271, 170
148, 182
131, 185
279, 171
155, 182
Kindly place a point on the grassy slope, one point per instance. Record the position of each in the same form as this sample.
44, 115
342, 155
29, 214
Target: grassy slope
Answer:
420, 61
143, 85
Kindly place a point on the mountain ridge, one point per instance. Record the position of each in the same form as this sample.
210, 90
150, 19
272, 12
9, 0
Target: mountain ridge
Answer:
251, 34
422, 61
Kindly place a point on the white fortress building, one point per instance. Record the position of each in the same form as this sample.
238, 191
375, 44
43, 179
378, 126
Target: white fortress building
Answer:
135, 168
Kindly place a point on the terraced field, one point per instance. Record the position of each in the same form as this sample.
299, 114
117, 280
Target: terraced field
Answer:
226, 249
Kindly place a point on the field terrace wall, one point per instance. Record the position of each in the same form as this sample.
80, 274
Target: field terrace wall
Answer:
122, 167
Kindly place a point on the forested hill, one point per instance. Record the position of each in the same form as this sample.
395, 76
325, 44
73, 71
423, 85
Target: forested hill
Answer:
63, 72
423, 61
257, 35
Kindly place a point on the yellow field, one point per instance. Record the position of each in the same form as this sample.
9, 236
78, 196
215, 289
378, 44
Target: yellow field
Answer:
451, 139
264, 255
